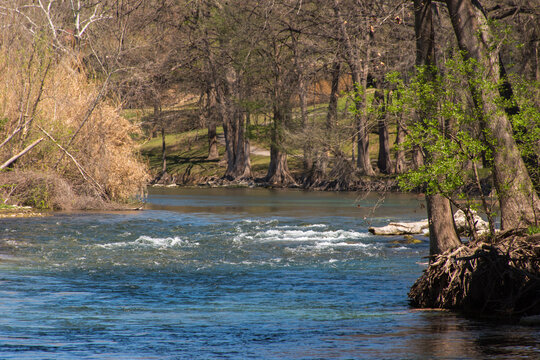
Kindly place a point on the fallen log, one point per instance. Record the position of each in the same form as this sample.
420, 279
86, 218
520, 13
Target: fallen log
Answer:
401, 228
421, 227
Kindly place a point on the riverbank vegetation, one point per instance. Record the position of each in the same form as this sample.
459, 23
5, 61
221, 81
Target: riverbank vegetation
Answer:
64, 143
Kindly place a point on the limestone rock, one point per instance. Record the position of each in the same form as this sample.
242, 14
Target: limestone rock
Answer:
422, 227
400, 228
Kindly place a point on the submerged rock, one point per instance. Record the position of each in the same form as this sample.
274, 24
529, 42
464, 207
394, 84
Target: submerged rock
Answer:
407, 240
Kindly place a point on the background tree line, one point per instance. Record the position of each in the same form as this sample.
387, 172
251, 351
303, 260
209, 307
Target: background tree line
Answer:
242, 61
279, 58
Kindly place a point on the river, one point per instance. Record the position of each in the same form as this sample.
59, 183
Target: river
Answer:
231, 274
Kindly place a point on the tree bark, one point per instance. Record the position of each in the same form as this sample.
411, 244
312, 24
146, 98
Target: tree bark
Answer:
384, 162
442, 232
211, 120
158, 119
14, 158
308, 144
518, 200
213, 153
401, 164
331, 117
236, 143
278, 170
351, 55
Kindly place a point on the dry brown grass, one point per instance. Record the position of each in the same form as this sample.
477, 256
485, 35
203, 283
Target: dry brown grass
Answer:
46, 92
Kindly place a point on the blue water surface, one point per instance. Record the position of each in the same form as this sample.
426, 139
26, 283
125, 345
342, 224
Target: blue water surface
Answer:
231, 274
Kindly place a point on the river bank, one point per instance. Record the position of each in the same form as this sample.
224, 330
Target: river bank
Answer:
20, 212
361, 184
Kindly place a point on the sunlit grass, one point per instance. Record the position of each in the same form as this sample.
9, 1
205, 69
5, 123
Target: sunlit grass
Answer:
187, 151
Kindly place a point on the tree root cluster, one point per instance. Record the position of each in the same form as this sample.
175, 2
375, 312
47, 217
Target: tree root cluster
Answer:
498, 278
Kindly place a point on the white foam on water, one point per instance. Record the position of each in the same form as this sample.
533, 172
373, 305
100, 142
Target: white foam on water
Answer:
317, 226
303, 235
148, 241
400, 248
328, 247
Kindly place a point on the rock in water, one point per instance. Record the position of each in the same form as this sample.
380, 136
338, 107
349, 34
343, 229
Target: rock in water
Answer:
481, 226
421, 227
398, 228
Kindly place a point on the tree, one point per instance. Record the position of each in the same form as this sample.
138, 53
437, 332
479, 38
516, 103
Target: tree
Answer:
518, 199
220, 48
359, 80
384, 162
442, 233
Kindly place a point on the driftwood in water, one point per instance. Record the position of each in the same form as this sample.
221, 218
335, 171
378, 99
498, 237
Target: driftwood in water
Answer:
401, 228
419, 227
500, 278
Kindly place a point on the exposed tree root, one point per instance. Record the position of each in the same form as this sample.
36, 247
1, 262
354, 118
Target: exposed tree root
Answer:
498, 278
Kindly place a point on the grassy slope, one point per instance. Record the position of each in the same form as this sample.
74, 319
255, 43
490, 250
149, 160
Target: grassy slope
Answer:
187, 151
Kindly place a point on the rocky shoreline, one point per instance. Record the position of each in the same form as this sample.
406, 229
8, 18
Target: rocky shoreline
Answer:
20, 212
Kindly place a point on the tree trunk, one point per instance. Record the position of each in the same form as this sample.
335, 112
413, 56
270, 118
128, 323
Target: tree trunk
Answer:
518, 200
158, 119
211, 120
278, 170
364, 160
401, 164
331, 117
351, 54
442, 232
213, 153
17, 156
236, 144
308, 145
238, 162
163, 151
384, 162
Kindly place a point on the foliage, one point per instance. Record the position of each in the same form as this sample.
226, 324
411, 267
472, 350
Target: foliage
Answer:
531, 230
526, 125
447, 132
456, 150
48, 95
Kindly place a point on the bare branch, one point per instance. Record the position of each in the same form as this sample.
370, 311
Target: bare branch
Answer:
26, 150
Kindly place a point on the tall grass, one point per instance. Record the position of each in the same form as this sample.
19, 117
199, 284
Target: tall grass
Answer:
87, 142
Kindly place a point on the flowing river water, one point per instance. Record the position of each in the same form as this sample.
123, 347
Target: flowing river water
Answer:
231, 274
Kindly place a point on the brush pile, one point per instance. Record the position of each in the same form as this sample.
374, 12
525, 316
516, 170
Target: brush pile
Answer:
499, 278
